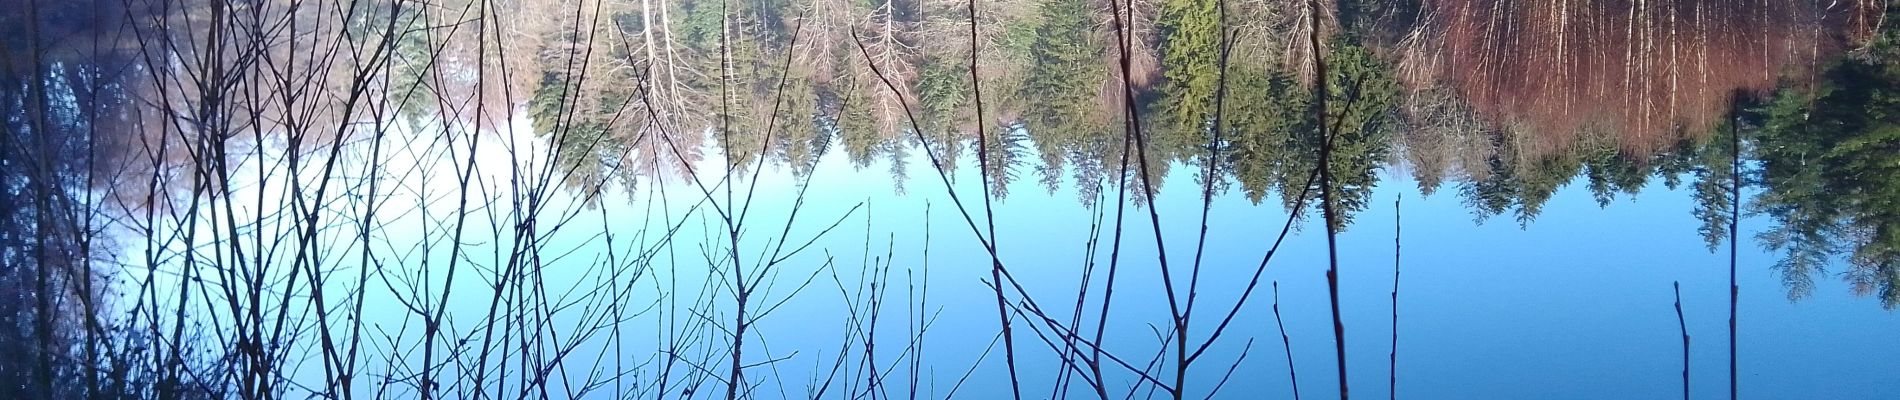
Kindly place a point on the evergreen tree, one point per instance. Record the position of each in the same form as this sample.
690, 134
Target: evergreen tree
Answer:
1830, 164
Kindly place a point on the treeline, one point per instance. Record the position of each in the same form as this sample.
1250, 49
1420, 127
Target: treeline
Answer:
1470, 91
1505, 102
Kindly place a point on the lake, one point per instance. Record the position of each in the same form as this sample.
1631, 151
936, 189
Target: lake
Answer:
939, 199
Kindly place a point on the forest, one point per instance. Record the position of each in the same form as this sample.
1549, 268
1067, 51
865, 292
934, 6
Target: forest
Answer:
200, 198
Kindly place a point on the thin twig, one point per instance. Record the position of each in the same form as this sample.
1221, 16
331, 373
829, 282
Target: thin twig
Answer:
1734, 229
1320, 91
1292, 374
1684, 326
1392, 370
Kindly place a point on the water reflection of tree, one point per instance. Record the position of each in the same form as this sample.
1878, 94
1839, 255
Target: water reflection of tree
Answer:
83, 147
669, 80
1274, 142
1645, 72
636, 93
1065, 70
1830, 171
1504, 140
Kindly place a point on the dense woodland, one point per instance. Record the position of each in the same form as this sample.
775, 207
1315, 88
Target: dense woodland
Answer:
132, 116
1503, 105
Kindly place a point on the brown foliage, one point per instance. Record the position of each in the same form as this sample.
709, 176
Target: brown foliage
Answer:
1645, 71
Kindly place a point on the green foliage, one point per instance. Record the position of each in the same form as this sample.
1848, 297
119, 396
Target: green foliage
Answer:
1516, 184
943, 92
1827, 155
800, 135
1267, 107
1495, 194
1060, 86
1191, 37
700, 23
748, 98
1521, 185
857, 130
583, 147
411, 60
1018, 37
1377, 21
1362, 95
1610, 171
1273, 139
1711, 164
1830, 162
